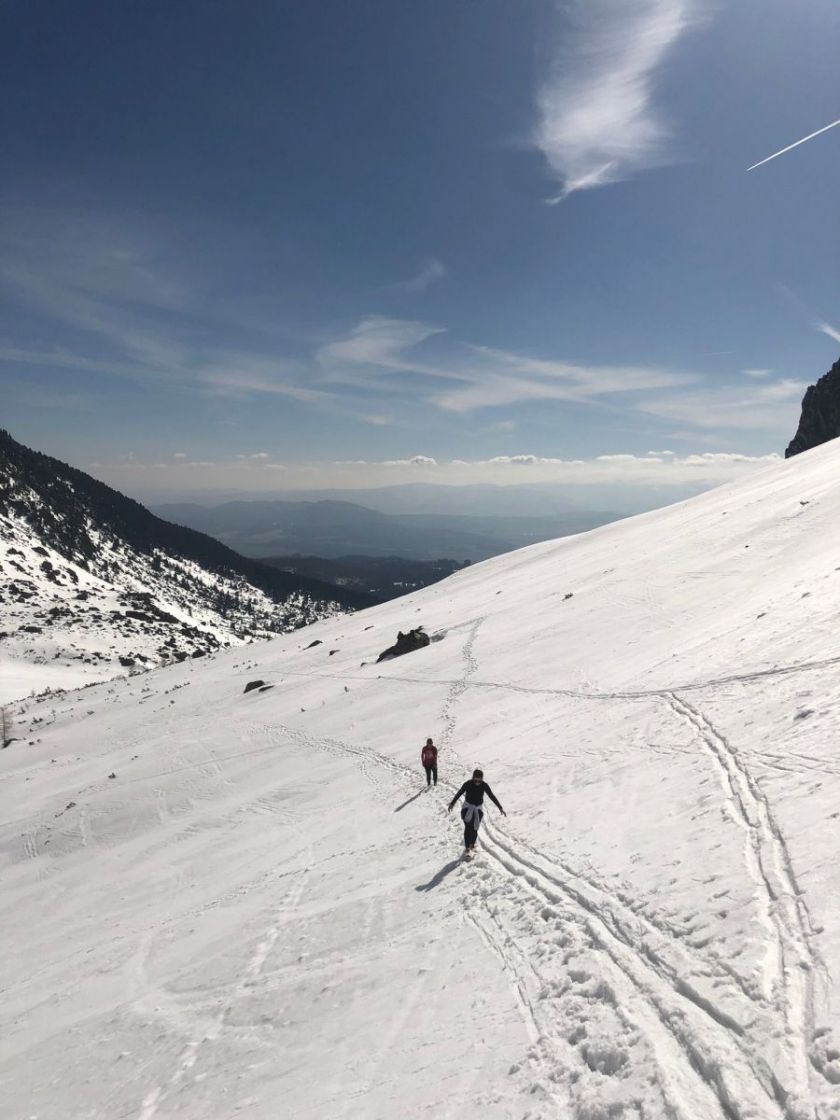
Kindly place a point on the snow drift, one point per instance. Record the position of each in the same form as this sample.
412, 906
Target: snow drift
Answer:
220, 904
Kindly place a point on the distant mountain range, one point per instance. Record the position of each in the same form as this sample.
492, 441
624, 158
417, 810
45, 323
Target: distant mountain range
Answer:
92, 583
331, 528
541, 499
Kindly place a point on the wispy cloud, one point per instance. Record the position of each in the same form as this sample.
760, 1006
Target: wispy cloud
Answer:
597, 120
466, 378
816, 320
243, 374
383, 354
377, 341
123, 311
99, 279
767, 406
795, 144
493, 378
430, 271
827, 328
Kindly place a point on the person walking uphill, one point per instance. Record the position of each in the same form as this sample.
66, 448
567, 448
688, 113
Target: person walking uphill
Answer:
472, 812
428, 756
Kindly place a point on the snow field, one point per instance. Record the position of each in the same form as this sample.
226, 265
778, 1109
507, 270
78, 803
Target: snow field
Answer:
264, 912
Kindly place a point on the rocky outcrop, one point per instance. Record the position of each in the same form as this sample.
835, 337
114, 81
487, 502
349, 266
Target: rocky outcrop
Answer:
405, 643
820, 418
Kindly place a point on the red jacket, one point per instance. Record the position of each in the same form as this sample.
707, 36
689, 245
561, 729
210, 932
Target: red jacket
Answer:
428, 756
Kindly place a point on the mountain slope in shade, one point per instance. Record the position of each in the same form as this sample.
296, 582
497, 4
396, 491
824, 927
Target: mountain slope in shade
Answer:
93, 584
218, 904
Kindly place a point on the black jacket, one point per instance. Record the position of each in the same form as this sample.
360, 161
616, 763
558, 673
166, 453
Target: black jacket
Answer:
474, 792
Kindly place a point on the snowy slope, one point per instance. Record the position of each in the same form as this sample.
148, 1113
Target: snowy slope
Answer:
93, 585
64, 624
218, 904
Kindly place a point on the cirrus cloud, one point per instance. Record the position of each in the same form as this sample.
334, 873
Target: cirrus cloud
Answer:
381, 354
597, 121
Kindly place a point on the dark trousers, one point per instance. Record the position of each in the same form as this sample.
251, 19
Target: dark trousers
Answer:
471, 829
431, 772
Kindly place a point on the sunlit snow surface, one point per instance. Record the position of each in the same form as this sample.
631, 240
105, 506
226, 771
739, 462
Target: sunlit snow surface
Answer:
263, 913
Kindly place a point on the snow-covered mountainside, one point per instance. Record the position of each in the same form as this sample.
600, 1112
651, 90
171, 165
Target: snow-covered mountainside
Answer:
92, 584
218, 903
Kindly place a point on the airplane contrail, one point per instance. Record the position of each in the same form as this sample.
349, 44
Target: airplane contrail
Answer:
810, 136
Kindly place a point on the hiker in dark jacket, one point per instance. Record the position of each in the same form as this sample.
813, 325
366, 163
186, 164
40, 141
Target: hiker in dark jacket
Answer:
472, 812
428, 756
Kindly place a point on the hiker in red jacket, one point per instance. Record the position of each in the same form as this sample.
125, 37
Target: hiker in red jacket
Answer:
428, 756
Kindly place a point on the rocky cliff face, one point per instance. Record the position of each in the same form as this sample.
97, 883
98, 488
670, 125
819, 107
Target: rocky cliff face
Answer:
820, 419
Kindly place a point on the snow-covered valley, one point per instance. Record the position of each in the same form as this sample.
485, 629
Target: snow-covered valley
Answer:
221, 904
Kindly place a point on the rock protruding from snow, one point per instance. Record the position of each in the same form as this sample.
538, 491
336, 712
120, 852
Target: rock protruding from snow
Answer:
819, 420
405, 643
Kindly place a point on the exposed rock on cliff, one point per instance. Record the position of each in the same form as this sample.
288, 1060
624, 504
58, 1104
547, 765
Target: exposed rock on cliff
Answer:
820, 418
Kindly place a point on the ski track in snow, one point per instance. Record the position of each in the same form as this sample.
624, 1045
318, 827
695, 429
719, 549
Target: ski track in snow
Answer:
792, 960
539, 916
702, 1071
614, 977
648, 978
249, 977
578, 694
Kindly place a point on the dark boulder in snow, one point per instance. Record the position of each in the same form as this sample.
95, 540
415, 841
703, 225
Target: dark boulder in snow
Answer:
405, 643
251, 685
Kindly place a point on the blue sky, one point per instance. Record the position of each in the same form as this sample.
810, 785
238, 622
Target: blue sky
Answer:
263, 245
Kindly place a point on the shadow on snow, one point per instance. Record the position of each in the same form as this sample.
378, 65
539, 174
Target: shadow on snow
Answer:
440, 875
413, 797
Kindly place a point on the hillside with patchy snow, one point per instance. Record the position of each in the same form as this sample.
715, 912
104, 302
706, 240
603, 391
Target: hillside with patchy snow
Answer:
222, 904
92, 585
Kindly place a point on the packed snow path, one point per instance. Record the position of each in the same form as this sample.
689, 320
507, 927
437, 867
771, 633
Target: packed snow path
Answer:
264, 913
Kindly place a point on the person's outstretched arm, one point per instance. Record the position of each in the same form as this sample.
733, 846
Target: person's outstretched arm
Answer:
455, 798
492, 797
